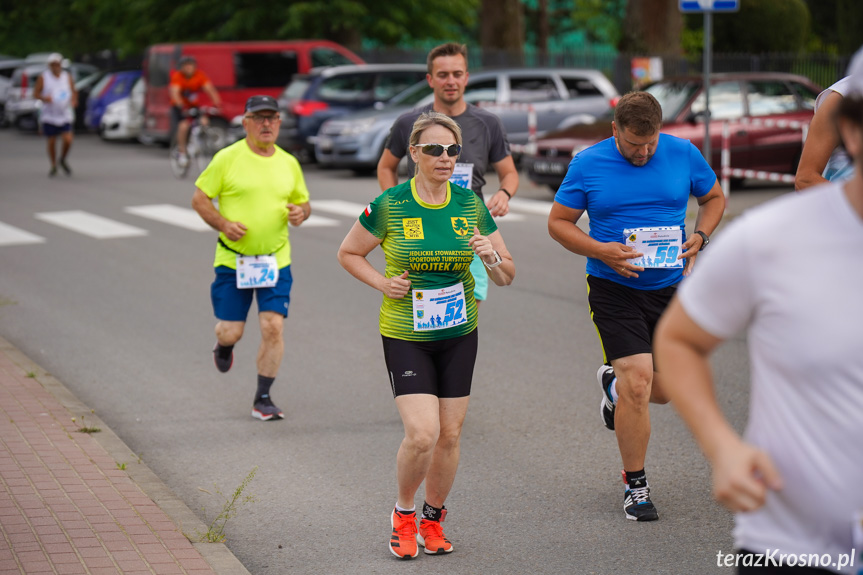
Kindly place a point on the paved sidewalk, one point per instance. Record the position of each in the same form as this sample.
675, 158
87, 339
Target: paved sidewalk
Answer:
66, 507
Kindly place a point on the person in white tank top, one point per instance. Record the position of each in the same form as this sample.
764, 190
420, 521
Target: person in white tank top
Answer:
55, 88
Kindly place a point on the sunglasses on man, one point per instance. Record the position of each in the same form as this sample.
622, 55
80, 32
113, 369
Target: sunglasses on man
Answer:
452, 150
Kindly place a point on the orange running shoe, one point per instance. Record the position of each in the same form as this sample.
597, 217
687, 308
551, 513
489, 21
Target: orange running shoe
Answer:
431, 536
403, 543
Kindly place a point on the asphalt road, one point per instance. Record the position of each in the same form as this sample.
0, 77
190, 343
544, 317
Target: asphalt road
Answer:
125, 322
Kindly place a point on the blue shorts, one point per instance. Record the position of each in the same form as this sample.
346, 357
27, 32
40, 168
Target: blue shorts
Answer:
232, 304
480, 278
51, 130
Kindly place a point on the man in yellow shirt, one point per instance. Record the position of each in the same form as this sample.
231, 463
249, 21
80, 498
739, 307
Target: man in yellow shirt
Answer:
260, 189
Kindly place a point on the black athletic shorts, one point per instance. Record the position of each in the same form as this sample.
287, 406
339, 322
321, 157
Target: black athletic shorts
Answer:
625, 317
443, 368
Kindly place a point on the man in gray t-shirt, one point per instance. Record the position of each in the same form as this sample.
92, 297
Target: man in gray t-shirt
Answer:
484, 141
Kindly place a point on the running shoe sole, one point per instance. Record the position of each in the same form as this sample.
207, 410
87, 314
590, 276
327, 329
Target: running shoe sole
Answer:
267, 416
220, 364
605, 412
440, 551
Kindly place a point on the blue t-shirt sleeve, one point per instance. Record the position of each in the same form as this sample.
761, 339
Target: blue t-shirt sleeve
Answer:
571, 192
703, 177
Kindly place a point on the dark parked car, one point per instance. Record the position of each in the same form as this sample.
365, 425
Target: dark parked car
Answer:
559, 98
324, 93
733, 98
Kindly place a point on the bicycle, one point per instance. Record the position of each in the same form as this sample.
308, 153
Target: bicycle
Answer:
207, 135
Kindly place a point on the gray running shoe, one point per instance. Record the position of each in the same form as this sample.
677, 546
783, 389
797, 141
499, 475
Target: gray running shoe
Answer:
636, 502
605, 375
265, 410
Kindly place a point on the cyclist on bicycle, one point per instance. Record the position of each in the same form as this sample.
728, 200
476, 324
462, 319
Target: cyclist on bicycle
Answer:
186, 84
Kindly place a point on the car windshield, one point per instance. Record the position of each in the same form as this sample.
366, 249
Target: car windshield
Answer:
672, 96
411, 96
297, 88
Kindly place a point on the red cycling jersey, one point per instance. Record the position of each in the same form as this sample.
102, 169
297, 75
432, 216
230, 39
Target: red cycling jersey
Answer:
189, 87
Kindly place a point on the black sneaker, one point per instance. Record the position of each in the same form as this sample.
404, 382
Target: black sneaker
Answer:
223, 364
636, 501
52, 172
605, 375
65, 167
265, 410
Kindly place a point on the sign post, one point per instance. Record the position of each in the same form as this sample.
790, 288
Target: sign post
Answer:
708, 7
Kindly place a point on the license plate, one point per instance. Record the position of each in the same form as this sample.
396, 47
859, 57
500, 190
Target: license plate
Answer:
548, 168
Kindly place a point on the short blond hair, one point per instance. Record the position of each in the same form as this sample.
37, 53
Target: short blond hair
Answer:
428, 119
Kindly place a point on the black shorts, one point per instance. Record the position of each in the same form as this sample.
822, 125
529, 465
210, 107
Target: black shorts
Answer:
625, 317
443, 367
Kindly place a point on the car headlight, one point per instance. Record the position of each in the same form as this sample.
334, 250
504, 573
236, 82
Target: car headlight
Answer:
350, 128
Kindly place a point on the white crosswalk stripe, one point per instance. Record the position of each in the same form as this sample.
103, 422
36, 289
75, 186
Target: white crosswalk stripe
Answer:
90, 224
339, 207
10, 236
171, 214
317, 221
510, 217
100, 227
530, 206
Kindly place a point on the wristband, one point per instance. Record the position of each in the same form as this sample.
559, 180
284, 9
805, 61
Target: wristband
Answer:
497, 261
508, 195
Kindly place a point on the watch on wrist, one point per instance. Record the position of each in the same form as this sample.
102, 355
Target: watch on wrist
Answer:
497, 261
705, 239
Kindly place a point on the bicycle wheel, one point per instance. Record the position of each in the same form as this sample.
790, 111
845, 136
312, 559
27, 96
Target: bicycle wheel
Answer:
178, 168
210, 140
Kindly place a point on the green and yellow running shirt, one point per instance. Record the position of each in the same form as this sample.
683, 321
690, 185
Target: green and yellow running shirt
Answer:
254, 190
431, 242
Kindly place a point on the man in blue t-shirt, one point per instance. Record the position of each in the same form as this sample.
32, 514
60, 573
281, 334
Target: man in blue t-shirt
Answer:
635, 187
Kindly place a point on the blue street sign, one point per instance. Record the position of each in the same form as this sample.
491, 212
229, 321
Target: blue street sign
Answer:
709, 5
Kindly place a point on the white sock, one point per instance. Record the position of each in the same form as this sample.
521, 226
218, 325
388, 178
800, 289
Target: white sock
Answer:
400, 510
612, 389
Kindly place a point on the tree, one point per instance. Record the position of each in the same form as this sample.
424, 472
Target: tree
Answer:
849, 20
652, 27
501, 29
763, 26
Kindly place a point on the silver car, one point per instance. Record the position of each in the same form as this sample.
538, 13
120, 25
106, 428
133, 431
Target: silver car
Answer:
22, 109
559, 98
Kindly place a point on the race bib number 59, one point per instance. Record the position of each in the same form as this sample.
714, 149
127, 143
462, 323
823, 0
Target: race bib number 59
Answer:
660, 246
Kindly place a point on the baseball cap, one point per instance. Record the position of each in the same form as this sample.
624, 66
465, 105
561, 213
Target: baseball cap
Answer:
55, 57
855, 75
260, 103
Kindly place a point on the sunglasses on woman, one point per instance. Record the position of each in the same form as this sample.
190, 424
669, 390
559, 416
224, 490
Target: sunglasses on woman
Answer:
452, 150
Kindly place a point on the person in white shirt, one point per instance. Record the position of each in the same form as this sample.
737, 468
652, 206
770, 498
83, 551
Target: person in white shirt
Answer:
785, 274
57, 91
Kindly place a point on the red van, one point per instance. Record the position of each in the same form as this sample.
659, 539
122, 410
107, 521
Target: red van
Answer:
238, 70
